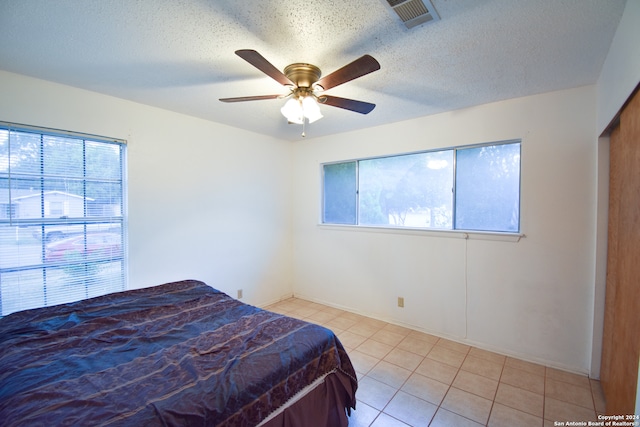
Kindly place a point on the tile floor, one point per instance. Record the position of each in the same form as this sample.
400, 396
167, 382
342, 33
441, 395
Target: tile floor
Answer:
409, 378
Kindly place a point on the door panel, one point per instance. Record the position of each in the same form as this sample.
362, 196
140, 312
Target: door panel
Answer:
621, 342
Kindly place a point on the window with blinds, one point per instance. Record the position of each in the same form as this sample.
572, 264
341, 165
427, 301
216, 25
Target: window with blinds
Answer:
62, 217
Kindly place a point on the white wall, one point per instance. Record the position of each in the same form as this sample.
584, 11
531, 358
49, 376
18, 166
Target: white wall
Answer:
205, 201
532, 299
621, 70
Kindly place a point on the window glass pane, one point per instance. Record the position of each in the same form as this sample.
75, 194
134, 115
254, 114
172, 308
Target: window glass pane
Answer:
104, 199
103, 161
25, 148
340, 195
413, 190
488, 188
63, 156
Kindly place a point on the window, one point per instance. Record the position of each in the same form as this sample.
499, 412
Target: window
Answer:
340, 193
466, 188
63, 239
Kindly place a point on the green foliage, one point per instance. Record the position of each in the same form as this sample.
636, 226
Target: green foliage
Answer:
77, 267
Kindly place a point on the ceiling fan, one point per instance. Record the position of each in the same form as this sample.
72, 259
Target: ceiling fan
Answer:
306, 86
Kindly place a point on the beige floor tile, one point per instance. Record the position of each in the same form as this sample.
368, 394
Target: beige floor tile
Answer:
379, 324
468, 405
425, 388
568, 377
297, 306
389, 374
296, 315
520, 399
277, 309
503, 416
385, 420
350, 340
284, 306
424, 336
333, 329
362, 362
567, 392
320, 323
397, 329
523, 365
447, 356
476, 384
375, 348
482, 367
556, 410
404, 359
487, 355
410, 409
375, 393
363, 416
320, 317
416, 345
444, 418
332, 310
598, 396
437, 370
452, 345
341, 323
354, 316
388, 337
364, 329
523, 379
316, 305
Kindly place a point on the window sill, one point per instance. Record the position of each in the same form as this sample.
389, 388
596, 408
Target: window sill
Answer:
453, 234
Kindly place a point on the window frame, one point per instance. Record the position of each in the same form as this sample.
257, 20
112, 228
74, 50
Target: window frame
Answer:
513, 236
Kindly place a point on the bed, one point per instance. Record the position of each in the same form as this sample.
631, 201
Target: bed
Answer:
182, 353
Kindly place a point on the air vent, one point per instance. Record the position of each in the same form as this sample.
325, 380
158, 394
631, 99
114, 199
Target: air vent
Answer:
413, 12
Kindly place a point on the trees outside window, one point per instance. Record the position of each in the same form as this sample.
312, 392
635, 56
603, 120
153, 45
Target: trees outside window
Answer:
465, 188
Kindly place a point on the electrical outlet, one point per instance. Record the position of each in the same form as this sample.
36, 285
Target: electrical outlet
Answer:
239, 293
401, 302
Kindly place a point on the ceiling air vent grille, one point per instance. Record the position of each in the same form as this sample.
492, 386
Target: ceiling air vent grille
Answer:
414, 12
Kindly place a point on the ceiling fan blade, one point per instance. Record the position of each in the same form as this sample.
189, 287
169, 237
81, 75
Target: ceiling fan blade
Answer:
259, 61
364, 65
348, 104
250, 98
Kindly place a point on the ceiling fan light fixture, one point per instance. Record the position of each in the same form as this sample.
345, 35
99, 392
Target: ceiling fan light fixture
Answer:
292, 110
296, 109
311, 109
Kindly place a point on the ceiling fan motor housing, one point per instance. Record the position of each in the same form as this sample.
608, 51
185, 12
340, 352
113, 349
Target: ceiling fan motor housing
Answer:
303, 75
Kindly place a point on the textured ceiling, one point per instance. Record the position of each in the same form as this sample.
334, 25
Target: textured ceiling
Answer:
179, 54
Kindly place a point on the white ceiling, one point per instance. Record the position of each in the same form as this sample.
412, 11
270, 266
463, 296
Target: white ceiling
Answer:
179, 54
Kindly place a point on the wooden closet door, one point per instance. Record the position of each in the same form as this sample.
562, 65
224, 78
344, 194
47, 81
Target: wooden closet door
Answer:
621, 343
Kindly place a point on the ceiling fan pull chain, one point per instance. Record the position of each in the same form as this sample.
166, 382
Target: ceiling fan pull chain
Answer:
304, 122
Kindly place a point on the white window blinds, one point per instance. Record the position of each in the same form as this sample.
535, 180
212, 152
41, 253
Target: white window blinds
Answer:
62, 227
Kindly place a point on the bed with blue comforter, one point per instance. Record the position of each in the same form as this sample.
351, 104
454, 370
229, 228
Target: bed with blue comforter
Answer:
177, 354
